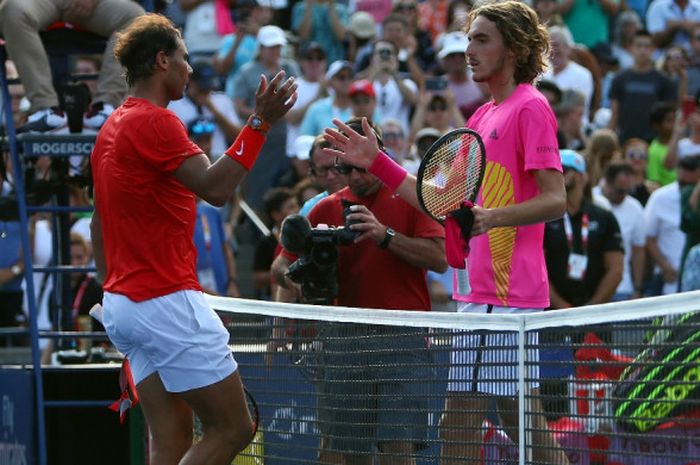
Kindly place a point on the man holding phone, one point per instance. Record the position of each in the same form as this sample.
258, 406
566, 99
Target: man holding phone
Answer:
395, 95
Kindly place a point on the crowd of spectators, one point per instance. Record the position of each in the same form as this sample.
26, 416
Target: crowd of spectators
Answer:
624, 83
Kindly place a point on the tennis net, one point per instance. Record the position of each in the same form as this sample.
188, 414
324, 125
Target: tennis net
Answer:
615, 384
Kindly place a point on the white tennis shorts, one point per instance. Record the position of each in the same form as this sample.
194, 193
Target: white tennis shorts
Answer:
177, 335
487, 361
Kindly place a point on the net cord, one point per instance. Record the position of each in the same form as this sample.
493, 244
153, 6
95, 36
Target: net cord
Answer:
604, 313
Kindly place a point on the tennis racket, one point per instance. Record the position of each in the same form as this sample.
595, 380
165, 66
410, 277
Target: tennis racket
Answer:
451, 172
254, 412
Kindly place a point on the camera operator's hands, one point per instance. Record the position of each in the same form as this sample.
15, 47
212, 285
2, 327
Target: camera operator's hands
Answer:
367, 224
274, 99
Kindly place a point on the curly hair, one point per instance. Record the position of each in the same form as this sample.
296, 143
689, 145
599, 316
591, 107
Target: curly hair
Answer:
522, 33
138, 44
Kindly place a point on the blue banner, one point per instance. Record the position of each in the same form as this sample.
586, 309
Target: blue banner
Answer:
17, 417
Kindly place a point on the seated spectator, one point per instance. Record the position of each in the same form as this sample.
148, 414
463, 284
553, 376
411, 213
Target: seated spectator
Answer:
425, 138
670, 21
269, 62
361, 32
551, 91
672, 65
201, 101
395, 95
457, 16
626, 26
239, 47
609, 65
279, 203
634, 91
602, 148
663, 121
665, 239
306, 189
397, 31
437, 110
690, 225
548, 12
395, 140
565, 72
20, 23
629, 213
322, 21
311, 87
416, 44
569, 115
468, 94
86, 291
299, 161
685, 140
432, 17
635, 152
320, 113
363, 100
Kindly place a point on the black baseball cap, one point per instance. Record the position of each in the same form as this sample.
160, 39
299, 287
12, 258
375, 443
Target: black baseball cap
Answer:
204, 75
310, 49
690, 162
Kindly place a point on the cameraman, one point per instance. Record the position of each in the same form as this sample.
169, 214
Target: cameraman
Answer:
383, 268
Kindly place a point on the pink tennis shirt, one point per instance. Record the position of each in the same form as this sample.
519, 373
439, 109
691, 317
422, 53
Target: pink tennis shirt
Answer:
506, 265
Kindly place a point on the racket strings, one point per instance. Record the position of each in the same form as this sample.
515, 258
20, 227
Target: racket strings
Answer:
452, 175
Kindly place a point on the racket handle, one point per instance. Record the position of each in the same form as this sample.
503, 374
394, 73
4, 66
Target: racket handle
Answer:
388, 171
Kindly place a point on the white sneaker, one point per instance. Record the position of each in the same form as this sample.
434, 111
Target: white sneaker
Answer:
45, 120
97, 114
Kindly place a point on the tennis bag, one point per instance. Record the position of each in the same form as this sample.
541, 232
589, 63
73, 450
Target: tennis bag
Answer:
663, 381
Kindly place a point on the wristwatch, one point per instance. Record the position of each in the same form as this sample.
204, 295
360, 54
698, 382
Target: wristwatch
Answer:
388, 236
258, 124
16, 270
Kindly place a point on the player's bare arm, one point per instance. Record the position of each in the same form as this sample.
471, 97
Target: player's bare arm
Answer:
216, 182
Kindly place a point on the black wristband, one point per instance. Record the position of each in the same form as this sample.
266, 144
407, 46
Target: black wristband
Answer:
388, 236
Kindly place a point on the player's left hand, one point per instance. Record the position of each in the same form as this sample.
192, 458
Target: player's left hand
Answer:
274, 99
482, 220
367, 224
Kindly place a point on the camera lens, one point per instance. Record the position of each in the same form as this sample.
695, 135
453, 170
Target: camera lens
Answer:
385, 54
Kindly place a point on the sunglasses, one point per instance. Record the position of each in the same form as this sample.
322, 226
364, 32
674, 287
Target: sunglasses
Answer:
343, 77
405, 7
636, 155
322, 172
437, 107
201, 128
384, 53
347, 169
